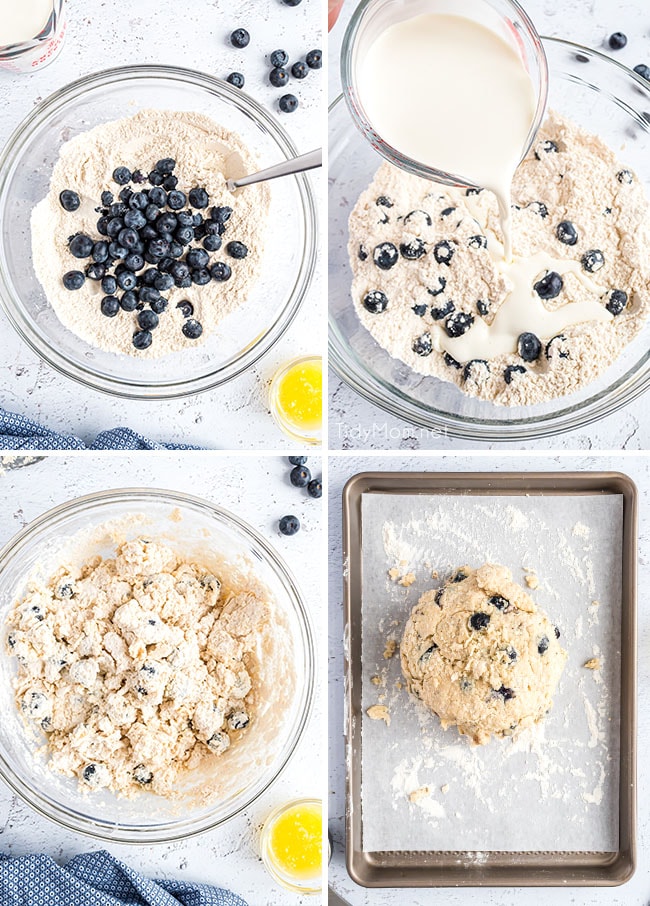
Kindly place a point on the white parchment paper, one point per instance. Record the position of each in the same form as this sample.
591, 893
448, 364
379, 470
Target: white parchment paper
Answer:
555, 787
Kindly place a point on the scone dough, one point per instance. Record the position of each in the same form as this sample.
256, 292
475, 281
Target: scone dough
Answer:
480, 655
137, 668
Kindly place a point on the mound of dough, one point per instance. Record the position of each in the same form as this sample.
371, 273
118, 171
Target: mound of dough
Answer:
481, 656
137, 668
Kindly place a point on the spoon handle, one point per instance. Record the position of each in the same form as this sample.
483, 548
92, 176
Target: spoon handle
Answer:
308, 161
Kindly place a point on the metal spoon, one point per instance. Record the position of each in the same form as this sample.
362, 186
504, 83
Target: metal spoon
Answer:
308, 161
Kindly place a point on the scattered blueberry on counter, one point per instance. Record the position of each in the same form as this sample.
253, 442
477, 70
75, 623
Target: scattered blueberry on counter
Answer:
289, 525
617, 41
151, 226
288, 103
300, 477
236, 79
643, 70
240, 38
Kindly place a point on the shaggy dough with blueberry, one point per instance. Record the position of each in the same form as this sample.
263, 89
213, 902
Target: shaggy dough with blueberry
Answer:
138, 668
481, 656
139, 245
427, 267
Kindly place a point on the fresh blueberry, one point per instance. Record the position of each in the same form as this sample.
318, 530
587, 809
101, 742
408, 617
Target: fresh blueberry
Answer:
95, 271
300, 476
74, 280
102, 225
442, 283
375, 301
625, 177
192, 329
617, 41
198, 198
142, 339
506, 693
550, 286
299, 70
134, 220
538, 207
121, 175
419, 310
593, 260
288, 103
89, 772
566, 232
314, 59
643, 70
542, 645
443, 252
477, 370
155, 178
81, 246
458, 323
278, 77
69, 200
134, 262
240, 38
547, 146
197, 258
385, 256
479, 621
142, 775
114, 227
176, 200
438, 312
158, 248
129, 301
159, 305
557, 632
297, 460
292, 2
236, 79
125, 196
170, 183
221, 214
128, 238
109, 285
166, 166
237, 250
477, 242
115, 250
127, 280
212, 243
238, 720
110, 306
451, 362
186, 308
289, 525
529, 347
510, 370
315, 488
557, 346
107, 198
499, 602
279, 58
422, 345
413, 250
616, 302
200, 276
220, 271
148, 320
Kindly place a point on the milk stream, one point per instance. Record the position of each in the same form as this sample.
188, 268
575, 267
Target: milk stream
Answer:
22, 20
453, 95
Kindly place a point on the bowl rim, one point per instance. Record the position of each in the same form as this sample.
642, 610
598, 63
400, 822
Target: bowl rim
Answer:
570, 417
256, 348
110, 831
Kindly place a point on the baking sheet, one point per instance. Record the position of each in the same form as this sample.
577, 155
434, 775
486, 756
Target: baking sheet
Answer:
555, 788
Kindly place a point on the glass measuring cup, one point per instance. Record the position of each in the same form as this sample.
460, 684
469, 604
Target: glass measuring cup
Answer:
504, 17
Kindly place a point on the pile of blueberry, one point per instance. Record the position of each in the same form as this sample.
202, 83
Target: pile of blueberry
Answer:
300, 477
158, 226
280, 71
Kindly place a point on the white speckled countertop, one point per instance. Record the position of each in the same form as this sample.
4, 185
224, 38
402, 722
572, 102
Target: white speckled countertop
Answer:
637, 891
102, 34
354, 423
259, 492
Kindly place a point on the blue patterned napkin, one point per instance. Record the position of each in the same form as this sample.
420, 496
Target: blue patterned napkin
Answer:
97, 879
20, 433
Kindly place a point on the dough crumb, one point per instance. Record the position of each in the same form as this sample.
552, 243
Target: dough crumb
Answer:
393, 573
407, 580
379, 712
592, 664
375, 680
532, 581
390, 649
418, 794
595, 603
435, 574
444, 788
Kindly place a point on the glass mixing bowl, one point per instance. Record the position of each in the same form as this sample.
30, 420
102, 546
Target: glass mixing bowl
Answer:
26, 166
219, 540
603, 97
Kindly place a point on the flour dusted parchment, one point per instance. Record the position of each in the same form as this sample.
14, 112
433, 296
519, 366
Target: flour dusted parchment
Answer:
138, 668
422, 253
206, 156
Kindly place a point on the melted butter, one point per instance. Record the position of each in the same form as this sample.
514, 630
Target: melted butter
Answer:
523, 311
299, 395
296, 841
465, 105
